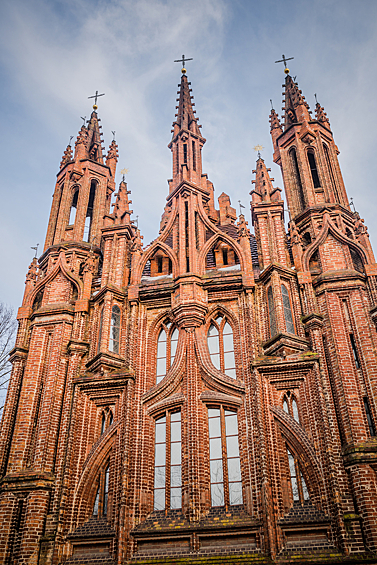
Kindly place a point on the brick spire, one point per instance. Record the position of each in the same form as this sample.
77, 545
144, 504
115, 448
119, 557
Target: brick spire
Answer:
185, 116
296, 109
94, 141
321, 115
67, 157
264, 191
112, 157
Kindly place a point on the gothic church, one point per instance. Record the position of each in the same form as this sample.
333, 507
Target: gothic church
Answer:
209, 398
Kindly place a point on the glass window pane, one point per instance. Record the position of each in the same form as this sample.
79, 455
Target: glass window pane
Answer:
287, 310
175, 453
234, 469
271, 311
216, 471
159, 477
160, 454
231, 373
295, 410
173, 350
176, 498
215, 448
295, 489
227, 329
175, 334
162, 336
159, 378
213, 344
213, 413
161, 349
175, 476
96, 504
160, 433
159, 499
175, 416
228, 342
285, 407
216, 360
214, 427
219, 318
231, 425
213, 331
232, 446
161, 366
235, 493
229, 361
217, 495
175, 432
305, 491
292, 467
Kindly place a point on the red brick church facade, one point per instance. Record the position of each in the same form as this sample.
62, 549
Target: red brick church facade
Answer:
210, 398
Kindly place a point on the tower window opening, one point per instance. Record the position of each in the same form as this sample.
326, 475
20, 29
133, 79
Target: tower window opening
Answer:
89, 212
297, 176
313, 169
356, 260
159, 264
72, 215
168, 462
225, 256
115, 329
185, 153
368, 413
224, 455
187, 237
271, 312
287, 310
354, 351
193, 156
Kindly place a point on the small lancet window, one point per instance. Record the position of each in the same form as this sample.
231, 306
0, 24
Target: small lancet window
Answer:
101, 500
297, 176
115, 329
271, 312
313, 169
72, 215
103, 423
166, 349
290, 406
287, 310
300, 491
193, 156
100, 331
285, 406
368, 413
221, 346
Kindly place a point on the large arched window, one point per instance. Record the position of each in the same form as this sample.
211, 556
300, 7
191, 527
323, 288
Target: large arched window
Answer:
271, 312
168, 462
166, 349
224, 455
221, 346
287, 310
115, 329
101, 501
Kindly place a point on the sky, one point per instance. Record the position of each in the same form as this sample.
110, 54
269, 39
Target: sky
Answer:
54, 54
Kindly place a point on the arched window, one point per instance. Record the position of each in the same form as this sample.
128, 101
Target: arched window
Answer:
287, 310
224, 455
168, 462
106, 420
89, 212
166, 349
100, 331
331, 173
101, 501
221, 346
300, 491
290, 406
297, 177
115, 329
103, 423
313, 169
285, 406
271, 312
72, 215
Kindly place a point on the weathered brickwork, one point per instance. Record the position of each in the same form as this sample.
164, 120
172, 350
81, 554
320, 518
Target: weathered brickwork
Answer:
209, 398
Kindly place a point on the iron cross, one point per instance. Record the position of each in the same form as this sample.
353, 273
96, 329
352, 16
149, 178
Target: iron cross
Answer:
96, 96
183, 60
284, 60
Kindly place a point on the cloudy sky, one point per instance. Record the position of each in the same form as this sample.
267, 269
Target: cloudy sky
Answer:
54, 54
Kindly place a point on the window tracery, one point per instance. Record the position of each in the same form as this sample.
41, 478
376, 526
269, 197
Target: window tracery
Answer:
221, 346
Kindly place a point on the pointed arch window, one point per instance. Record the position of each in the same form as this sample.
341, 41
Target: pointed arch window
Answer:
100, 330
166, 349
101, 501
300, 493
290, 406
89, 212
289, 325
313, 169
271, 312
115, 329
297, 177
221, 346
72, 214
168, 462
224, 455
106, 420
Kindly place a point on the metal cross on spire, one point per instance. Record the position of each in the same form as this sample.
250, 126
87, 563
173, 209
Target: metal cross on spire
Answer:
36, 250
284, 60
241, 206
258, 148
183, 60
95, 99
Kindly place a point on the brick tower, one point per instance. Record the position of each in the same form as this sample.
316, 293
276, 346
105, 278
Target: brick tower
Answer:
210, 398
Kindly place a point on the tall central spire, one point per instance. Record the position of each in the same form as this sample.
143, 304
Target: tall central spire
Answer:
187, 141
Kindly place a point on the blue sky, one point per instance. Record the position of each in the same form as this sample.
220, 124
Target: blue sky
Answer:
55, 54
